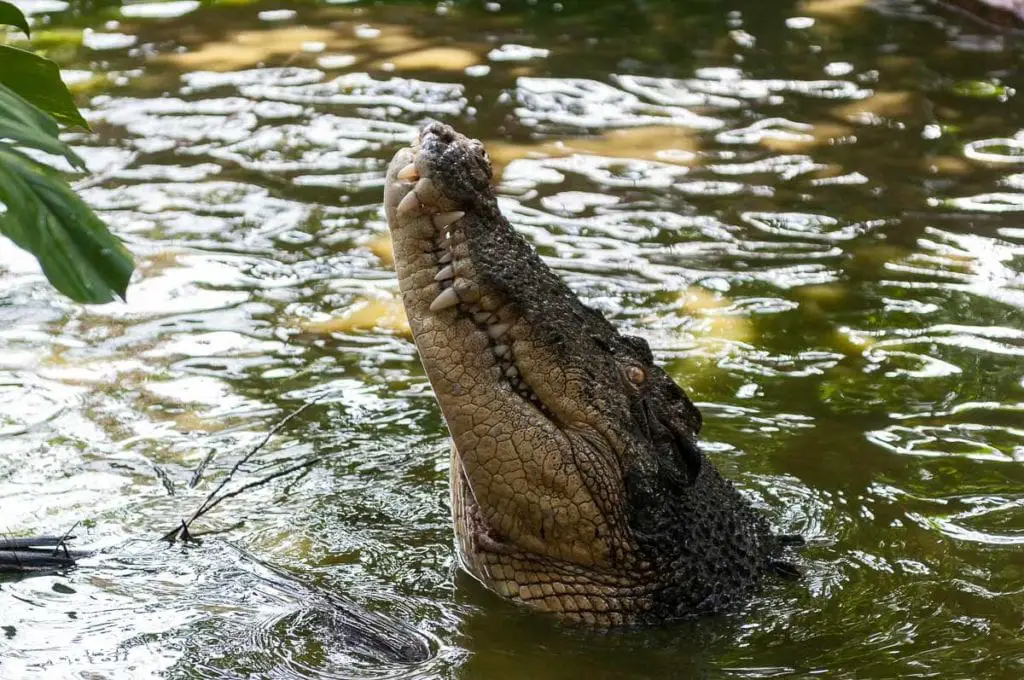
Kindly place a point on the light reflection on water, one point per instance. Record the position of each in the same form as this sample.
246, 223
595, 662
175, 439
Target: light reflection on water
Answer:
814, 226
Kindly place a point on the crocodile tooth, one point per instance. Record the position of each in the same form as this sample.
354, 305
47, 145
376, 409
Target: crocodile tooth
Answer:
511, 372
411, 203
408, 173
497, 330
447, 219
501, 351
447, 272
428, 194
481, 317
447, 298
445, 257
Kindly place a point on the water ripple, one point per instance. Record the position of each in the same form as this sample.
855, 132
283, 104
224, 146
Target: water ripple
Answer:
555, 102
815, 232
402, 94
969, 440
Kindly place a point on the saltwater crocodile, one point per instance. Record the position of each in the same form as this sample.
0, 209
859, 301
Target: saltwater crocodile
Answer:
577, 484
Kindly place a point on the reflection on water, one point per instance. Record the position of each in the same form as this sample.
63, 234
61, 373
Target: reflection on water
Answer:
810, 209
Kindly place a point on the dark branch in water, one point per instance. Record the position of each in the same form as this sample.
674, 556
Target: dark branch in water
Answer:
164, 478
40, 553
215, 497
37, 553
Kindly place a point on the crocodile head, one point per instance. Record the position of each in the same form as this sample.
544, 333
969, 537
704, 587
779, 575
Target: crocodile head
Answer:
577, 484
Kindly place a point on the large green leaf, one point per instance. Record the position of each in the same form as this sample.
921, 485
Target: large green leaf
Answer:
45, 217
38, 80
12, 16
28, 126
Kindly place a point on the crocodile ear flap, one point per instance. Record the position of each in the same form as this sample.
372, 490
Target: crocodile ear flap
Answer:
678, 458
685, 408
640, 347
687, 456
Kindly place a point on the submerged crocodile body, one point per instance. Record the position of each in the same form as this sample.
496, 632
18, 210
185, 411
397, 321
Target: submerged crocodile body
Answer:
577, 484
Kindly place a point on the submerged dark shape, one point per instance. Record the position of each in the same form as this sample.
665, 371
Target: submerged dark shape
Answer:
577, 484
333, 620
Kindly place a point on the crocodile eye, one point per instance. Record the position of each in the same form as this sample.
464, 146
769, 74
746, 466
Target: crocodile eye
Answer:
636, 375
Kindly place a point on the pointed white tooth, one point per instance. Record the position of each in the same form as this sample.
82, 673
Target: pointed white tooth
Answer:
497, 330
481, 317
447, 219
447, 298
409, 204
427, 192
501, 351
408, 173
447, 272
512, 372
445, 257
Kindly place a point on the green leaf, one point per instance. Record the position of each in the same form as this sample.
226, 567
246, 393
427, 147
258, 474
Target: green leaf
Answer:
38, 80
12, 16
28, 126
45, 217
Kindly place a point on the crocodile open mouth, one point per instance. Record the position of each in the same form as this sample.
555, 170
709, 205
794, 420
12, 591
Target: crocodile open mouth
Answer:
441, 227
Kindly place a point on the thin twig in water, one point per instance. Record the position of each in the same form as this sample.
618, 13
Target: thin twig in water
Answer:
213, 532
197, 475
212, 500
63, 543
259, 482
287, 489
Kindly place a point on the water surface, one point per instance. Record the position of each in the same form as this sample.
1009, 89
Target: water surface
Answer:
811, 210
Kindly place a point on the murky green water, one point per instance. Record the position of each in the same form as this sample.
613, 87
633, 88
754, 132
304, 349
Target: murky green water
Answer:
813, 211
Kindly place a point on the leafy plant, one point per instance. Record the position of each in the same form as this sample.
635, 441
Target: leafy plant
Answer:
43, 215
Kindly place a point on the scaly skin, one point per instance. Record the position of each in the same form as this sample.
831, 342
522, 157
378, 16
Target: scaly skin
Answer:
577, 485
